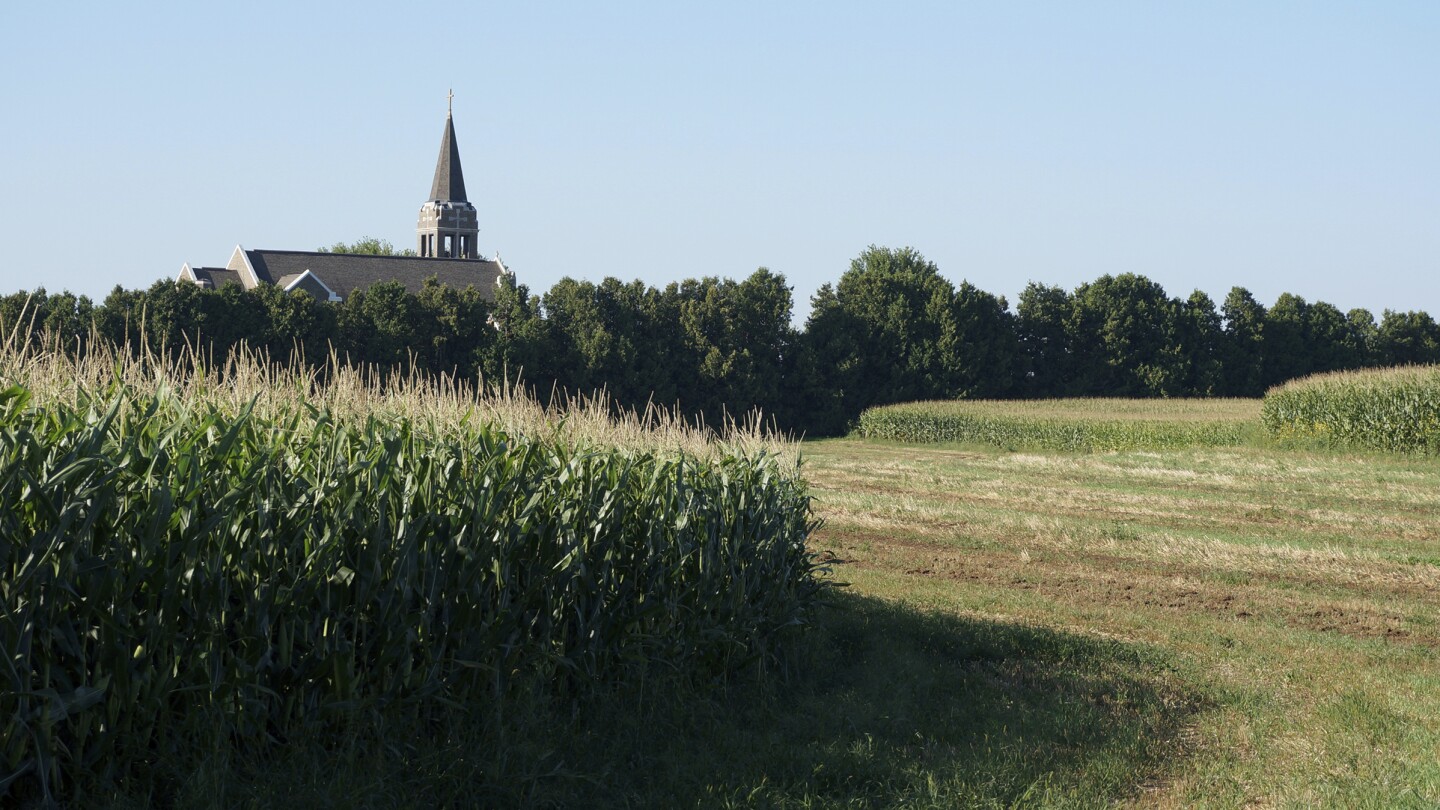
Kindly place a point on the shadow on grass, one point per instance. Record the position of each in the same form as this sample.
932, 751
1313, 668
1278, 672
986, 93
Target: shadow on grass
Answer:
891, 706
880, 706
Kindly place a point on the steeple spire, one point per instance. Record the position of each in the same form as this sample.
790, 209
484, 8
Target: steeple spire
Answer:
449, 182
449, 226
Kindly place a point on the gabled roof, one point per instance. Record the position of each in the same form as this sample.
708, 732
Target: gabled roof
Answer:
309, 282
211, 277
345, 273
449, 179
240, 264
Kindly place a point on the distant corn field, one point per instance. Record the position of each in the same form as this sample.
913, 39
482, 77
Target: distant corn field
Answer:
1068, 424
1394, 409
244, 550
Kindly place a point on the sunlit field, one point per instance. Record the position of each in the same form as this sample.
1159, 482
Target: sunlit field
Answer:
1290, 599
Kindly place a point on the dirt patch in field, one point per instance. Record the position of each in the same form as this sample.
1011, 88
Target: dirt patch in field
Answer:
1358, 623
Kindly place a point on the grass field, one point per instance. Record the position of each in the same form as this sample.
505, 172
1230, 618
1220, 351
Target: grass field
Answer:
1260, 626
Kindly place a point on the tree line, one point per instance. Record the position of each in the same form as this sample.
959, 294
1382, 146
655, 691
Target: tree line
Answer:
892, 329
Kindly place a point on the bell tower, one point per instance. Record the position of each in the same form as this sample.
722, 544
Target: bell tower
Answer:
449, 226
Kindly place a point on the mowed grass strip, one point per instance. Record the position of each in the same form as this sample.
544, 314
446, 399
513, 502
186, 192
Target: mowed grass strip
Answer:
1293, 594
1068, 424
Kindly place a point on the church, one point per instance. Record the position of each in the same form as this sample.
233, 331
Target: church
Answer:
446, 249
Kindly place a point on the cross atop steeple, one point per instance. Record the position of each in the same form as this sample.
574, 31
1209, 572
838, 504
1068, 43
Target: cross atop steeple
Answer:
450, 103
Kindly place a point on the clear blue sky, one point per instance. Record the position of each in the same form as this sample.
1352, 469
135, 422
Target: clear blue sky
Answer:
1277, 146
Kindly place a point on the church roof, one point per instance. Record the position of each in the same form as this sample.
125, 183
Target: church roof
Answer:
336, 276
216, 276
344, 273
449, 179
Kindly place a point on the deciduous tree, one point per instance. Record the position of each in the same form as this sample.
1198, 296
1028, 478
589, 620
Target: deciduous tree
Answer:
1242, 355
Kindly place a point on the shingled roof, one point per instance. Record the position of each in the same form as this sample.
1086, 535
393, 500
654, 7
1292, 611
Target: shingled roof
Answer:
344, 273
211, 277
449, 182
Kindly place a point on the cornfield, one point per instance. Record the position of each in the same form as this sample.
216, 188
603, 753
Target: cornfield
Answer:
238, 553
1396, 409
1076, 425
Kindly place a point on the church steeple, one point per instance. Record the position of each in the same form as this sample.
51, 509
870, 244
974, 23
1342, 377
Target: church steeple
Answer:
449, 179
449, 225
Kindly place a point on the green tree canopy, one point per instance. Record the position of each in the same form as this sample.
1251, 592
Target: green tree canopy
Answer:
890, 329
1242, 346
367, 245
1408, 338
1040, 324
1200, 335
1123, 337
893, 330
